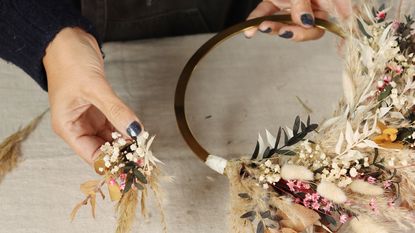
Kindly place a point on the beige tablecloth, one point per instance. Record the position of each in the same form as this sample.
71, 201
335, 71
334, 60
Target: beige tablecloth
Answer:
239, 90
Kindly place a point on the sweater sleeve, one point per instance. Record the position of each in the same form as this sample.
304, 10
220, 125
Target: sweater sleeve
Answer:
28, 26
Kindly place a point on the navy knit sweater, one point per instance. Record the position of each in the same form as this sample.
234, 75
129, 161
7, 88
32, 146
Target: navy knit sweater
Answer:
28, 26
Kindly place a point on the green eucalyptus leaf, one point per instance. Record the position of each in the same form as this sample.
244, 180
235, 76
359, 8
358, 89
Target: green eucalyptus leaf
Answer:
277, 141
140, 176
296, 126
362, 29
286, 152
267, 153
385, 93
250, 215
138, 186
260, 227
256, 152
265, 214
244, 195
129, 183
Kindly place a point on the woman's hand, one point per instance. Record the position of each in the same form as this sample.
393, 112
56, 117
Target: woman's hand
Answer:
84, 108
303, 13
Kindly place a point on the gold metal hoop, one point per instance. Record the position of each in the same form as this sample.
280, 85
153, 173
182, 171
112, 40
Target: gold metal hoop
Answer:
180, 94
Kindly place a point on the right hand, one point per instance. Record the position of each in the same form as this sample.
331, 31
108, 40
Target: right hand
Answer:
303, 14
84, 108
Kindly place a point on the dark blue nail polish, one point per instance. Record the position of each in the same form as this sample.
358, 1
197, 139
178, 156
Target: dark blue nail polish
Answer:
287, 35
307, 19
134, 129
268, 30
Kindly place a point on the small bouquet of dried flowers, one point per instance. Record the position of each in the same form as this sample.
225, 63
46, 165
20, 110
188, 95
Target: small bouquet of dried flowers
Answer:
128, 169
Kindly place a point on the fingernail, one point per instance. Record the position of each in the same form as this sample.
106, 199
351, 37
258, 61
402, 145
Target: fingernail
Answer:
134, 129
247, 37
307, 19
268, 30
287, 35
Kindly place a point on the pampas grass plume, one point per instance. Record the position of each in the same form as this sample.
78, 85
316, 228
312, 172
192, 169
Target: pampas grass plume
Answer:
362, 187
331, 192
295, 172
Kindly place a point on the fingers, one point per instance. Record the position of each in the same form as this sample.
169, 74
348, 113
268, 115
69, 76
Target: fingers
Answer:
302, 13
88, 147
343, 8
263, 9
116, 111
297, 33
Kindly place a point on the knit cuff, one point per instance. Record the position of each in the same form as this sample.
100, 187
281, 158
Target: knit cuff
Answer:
28, 26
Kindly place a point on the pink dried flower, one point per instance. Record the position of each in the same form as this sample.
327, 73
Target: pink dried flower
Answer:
112, 181
307, 200
396, 68
395, 25
371, 180
373, 205
344, 218
315, 197
297, 200
380, 15
391, 202
123, 176
302, 185
140, 162
327, 207
381, 85
387, 184
291, 185
315, 205
387, 79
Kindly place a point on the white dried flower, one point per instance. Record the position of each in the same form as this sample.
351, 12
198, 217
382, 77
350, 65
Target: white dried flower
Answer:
113, 158
265, 186
366, 162
107, 164
331, 192
115, 135
268, 163
277, 168
129, 156
145, 135
100, 169
295, 172
353, 172
133, 147
122, 141
362, 187
140, 152
261, 178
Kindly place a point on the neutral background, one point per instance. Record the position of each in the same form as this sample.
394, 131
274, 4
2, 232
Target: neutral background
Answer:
240, 89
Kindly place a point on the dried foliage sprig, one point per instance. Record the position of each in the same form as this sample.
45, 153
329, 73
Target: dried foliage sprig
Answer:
10, 152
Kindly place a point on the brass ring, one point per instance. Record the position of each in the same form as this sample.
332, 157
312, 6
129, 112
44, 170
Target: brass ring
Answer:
179, 99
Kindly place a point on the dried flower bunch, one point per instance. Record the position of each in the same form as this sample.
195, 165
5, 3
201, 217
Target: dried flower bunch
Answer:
356, 171
129, 169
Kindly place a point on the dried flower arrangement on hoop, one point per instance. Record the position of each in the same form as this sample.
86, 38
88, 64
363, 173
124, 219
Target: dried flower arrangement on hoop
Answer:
128, 169
356, 171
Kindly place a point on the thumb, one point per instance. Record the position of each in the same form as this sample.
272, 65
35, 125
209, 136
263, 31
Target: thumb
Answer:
116, 111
